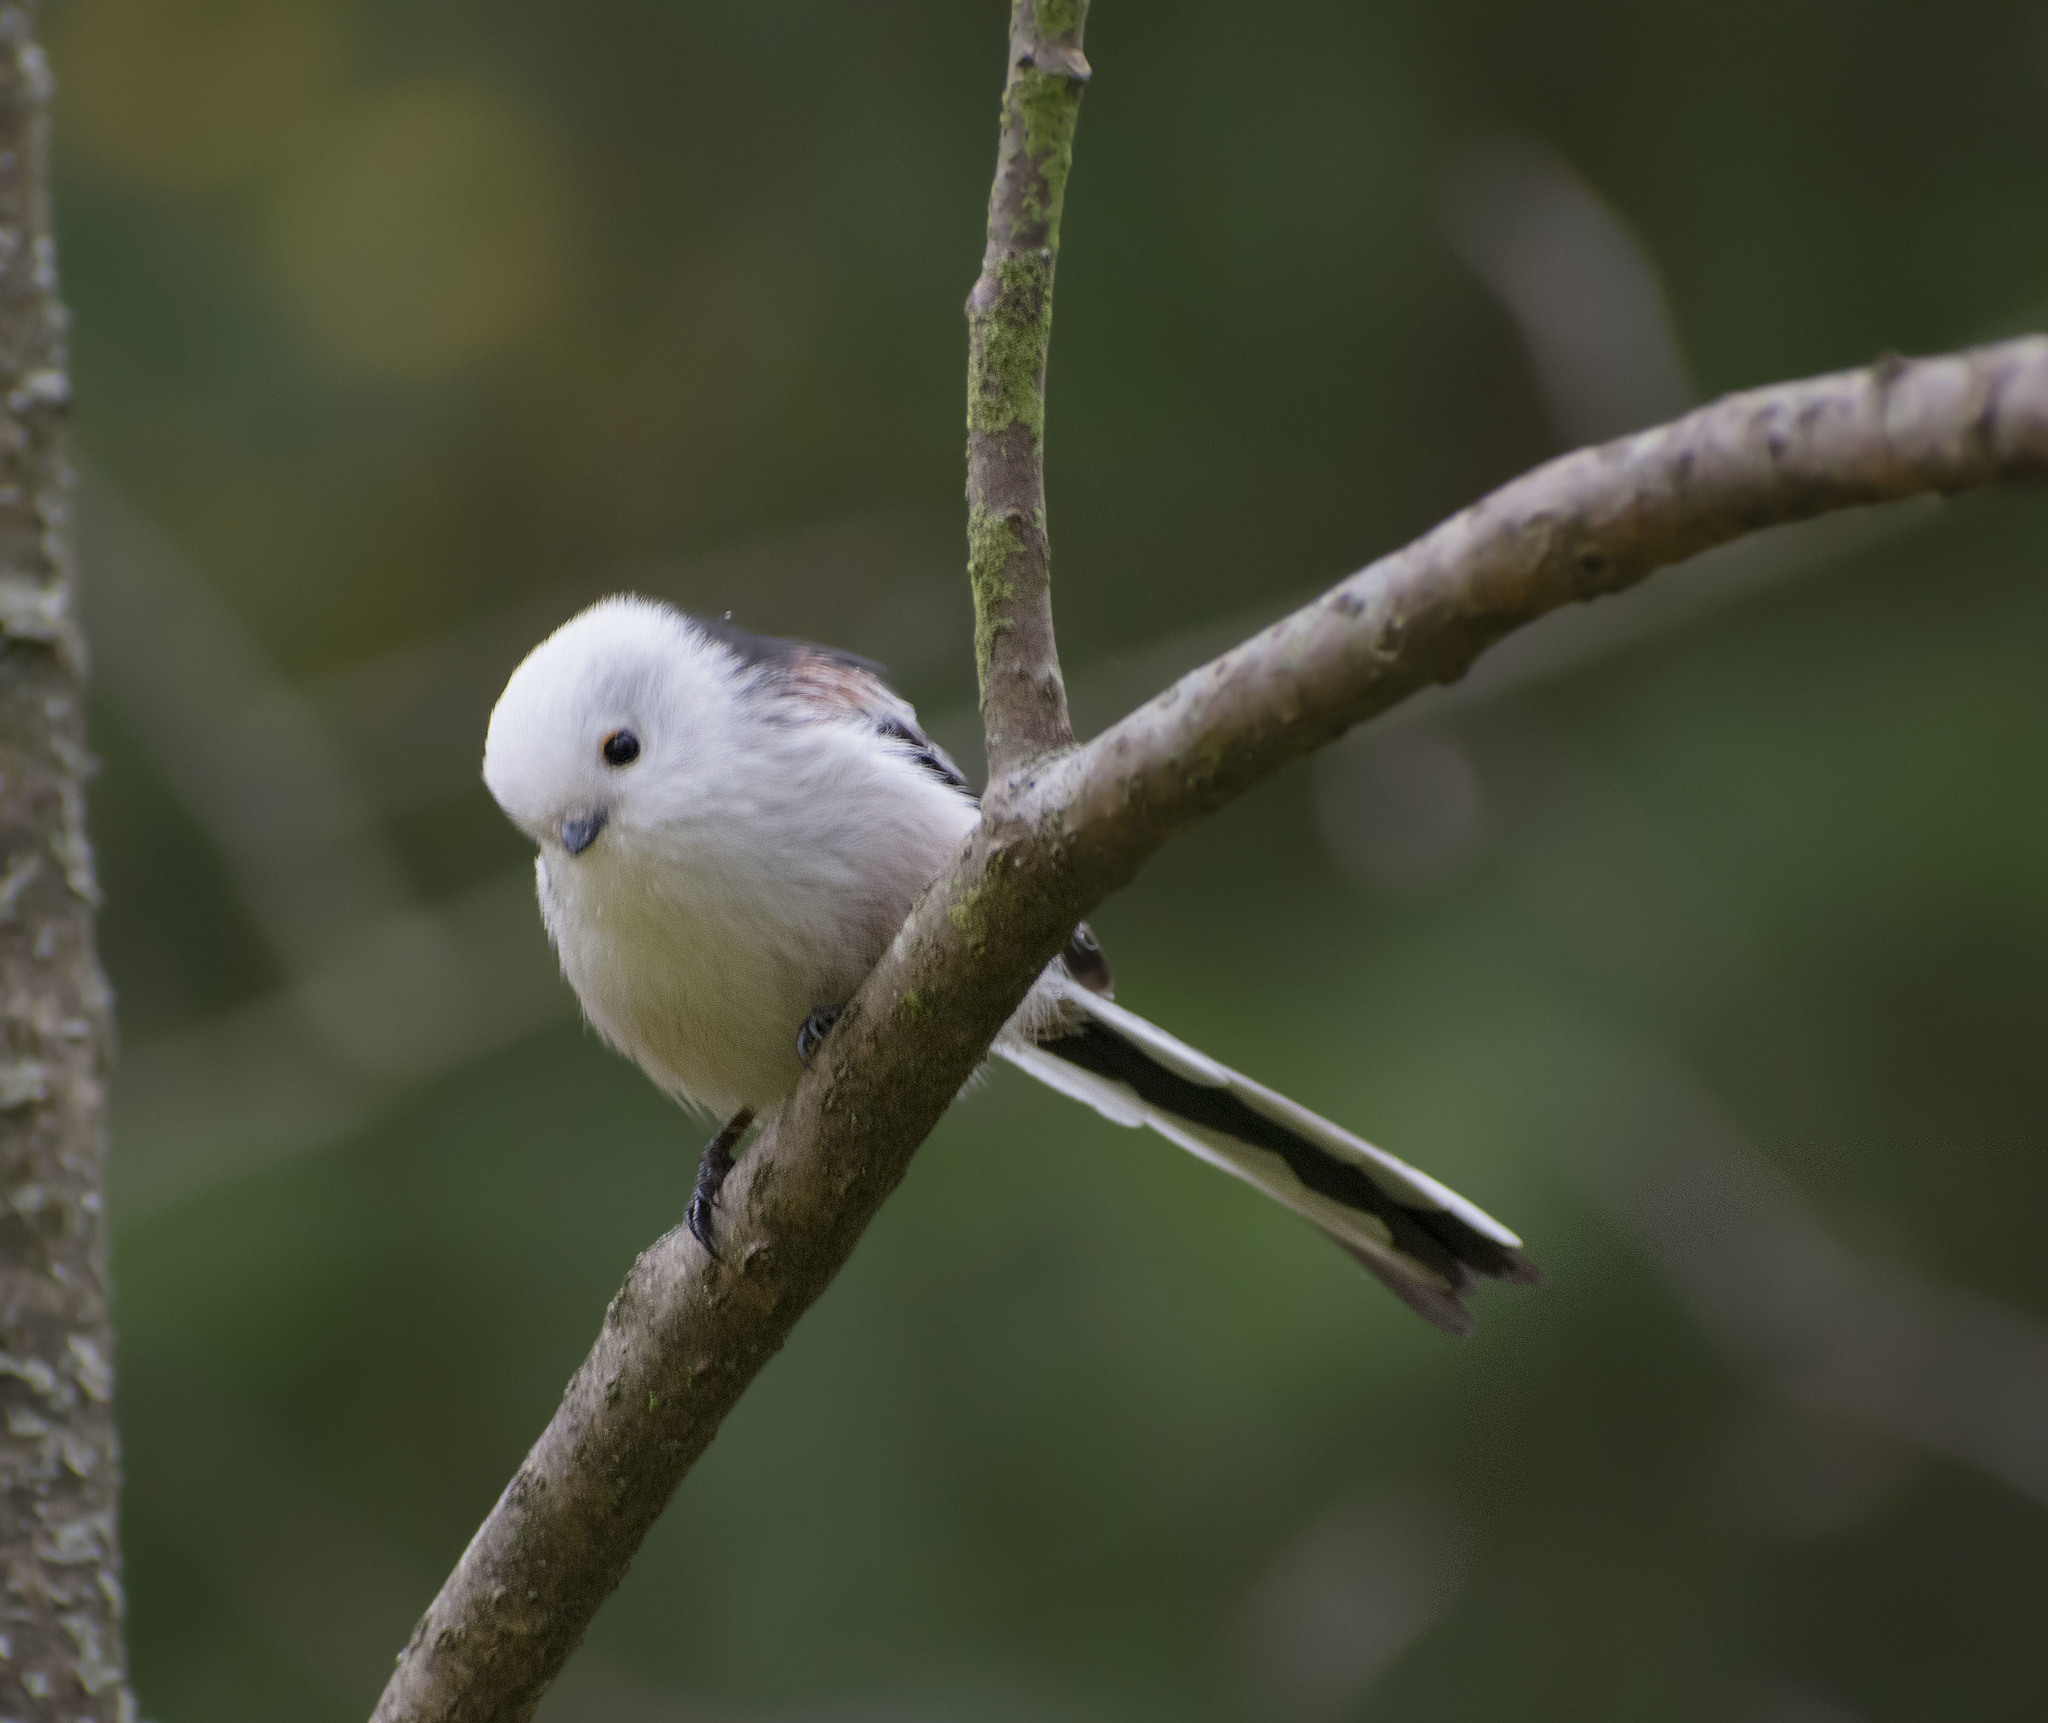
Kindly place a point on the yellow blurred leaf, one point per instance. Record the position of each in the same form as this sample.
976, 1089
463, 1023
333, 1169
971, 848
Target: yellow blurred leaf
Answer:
192, 95
424, 232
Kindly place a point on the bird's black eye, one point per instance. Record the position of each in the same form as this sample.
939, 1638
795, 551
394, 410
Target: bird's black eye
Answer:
621, 748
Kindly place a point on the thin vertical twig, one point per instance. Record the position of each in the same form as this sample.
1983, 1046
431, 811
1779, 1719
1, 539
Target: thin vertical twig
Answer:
1009, 324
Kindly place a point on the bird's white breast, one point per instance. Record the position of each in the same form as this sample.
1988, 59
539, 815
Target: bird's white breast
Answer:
699, 938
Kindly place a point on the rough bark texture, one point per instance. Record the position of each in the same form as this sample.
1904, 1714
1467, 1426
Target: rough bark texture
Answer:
1009, 329
61, 1652
685, 1336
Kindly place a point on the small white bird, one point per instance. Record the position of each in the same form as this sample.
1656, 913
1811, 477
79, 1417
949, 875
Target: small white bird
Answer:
731, 831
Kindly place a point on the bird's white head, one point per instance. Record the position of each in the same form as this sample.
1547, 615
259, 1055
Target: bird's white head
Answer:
610, 724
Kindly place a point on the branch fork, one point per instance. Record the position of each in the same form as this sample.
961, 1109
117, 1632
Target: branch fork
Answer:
1064, 826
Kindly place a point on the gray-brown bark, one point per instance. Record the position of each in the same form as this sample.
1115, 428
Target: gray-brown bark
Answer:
1009, 331
61, 1650
685, 1336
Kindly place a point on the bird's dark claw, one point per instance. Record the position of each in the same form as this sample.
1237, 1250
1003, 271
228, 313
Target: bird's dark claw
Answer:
711, 1171
697, 1217
810, 1036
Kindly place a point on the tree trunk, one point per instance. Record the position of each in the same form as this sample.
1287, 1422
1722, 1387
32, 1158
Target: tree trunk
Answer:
61, 1649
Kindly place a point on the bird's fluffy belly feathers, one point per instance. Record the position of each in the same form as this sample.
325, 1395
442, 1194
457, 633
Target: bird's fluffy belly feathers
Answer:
699, 944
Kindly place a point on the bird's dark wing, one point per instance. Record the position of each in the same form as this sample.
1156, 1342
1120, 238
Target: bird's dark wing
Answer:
843, 683
849, 685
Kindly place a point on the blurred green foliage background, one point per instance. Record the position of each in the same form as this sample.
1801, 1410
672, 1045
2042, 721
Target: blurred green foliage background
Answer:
1704, 937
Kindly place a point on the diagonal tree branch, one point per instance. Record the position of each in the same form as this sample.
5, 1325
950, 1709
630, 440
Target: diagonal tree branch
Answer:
1009, 330
684, 1336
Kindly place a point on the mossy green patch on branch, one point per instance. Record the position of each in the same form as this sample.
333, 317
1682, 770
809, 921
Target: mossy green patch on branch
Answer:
991, 541
968, 915
1061, 17
1048, 105
1006, 348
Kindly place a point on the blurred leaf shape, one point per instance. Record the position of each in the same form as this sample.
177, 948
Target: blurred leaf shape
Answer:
1579, 284
194, 95
425, 233
1339, 1605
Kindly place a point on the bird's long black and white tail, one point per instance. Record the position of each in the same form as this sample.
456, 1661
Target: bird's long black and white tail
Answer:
1428, 1244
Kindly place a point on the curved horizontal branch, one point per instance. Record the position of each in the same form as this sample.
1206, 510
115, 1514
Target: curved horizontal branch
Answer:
1580, 527
684, 1336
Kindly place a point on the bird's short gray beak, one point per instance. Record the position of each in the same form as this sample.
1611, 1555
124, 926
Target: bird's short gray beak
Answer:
580, 831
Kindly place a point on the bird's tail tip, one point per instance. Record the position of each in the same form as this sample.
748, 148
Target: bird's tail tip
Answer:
1429, 1246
